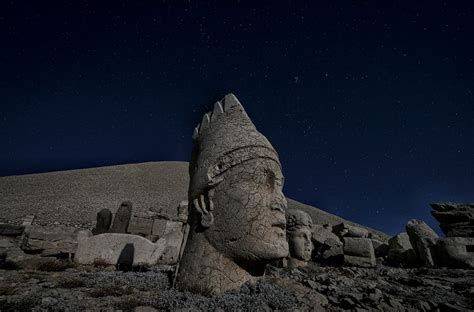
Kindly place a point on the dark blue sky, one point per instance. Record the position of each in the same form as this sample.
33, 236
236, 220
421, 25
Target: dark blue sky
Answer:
370, 104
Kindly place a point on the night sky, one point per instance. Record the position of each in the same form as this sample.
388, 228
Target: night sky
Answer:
369, 104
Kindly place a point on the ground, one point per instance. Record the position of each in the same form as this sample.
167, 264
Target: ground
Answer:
313, 288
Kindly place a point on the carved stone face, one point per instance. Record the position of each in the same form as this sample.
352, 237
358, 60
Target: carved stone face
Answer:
249, 213
300, 244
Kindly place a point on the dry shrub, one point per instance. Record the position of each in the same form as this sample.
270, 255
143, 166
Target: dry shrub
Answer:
111, 291
55, 266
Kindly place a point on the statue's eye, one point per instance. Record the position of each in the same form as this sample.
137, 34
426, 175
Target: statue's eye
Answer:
270, 176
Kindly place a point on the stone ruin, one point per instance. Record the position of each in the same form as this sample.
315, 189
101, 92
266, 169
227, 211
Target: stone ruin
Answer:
126, 239
237, 223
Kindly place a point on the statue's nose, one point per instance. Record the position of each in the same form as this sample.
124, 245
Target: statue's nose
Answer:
280, 204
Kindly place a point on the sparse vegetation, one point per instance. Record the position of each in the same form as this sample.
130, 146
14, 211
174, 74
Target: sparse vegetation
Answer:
111, 291
55, 266
71, 283
100, 263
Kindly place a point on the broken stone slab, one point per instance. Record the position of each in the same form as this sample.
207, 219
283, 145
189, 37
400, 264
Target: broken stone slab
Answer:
327, 245
456, 252
23, 260
161, 227
28, 220
400, 251
140, 226
359, 252
111, 247
380, 248
346, 230
11, 230
50, 239
455, 220
104, 219
424, 240
122, 218
183, 211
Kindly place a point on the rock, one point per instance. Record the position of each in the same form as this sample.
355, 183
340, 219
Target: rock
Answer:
140, 226
307, 295
173, 241
359, 252
104, 219
28, 220
11, 230
346, 230
161, 227
380, 248
183, 211
6, 243
83, 234
122, 218
400, 252
328, 247
19, 258
54, 240
423, 239
456, 252
112, 247
236, 203
456, 220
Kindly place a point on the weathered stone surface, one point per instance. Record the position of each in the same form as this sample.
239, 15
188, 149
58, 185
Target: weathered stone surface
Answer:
104, 219
456, 252
400, 251
11, 230
423, 239
456, 220
159, 226
51, 239
380, 248
346, 230
328, 247
122, 218
298, 233
6, 243
140, 226
19, 258
237, 207
359, 252
110, 247
183, 211
28, 220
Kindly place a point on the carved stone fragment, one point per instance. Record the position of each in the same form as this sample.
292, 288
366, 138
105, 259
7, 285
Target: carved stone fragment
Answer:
298, 233
236, 204
122, 218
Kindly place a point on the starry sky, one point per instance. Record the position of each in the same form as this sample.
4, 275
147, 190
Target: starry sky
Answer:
370, 104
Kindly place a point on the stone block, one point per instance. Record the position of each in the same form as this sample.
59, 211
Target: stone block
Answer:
346, 230
400, 252
111, 247
424, 240
122, 218
359, 252
140, 226
55, 239
456, 252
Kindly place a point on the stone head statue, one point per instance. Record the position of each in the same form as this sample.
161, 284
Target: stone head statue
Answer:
298, 231
236, 205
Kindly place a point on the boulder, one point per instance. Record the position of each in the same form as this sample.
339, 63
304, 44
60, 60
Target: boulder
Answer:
122, 218
424, 240
327, 245
20, 259
51, 240
400, 251
380, 248
104, 219
359, 252
346, 230
110, 247
455, 220
456, 252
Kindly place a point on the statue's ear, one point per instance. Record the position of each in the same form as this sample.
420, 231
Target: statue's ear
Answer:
204, 207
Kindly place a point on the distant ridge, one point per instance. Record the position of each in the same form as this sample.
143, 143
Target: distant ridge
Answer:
75, 196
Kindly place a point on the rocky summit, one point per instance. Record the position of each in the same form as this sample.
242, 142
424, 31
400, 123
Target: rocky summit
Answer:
146, 237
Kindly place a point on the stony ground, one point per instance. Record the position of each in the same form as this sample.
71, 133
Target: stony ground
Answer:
312, 288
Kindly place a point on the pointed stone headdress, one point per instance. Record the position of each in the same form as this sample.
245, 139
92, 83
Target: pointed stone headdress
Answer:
225, 138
